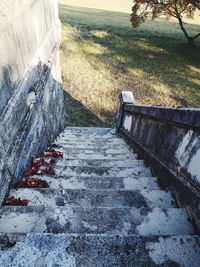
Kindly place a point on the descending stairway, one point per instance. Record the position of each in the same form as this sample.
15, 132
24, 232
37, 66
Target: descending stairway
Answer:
103, 207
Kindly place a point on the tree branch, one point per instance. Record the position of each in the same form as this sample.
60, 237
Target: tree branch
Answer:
195, 3
196, 36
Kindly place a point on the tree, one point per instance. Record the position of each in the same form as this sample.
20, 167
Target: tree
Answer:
195, 3
145, 9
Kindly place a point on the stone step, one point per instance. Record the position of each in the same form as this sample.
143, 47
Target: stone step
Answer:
97, 134
101, 171
125, 221
97, 163
95, 197
93, 146
88, 135
93, 182
98, 156
91, 130
101, 151
89, 140
105, 135
70, 250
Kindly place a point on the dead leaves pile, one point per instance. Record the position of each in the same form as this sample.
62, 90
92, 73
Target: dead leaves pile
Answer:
13, 201
31, 182
38, 167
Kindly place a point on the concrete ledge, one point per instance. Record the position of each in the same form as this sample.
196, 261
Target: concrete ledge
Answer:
185, 118
169, 141
185, 193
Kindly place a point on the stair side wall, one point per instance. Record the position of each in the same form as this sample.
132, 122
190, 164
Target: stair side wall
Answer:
169, 140
31, 97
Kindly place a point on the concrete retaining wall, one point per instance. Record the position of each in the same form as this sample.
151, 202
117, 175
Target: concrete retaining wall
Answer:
31, 98
169, 140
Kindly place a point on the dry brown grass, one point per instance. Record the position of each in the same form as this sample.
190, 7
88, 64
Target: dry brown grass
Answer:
101, 55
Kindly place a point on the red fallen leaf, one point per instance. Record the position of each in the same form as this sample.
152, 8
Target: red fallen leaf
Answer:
53, 153
39, 166
48, 171
24, 202
31, 182
38, 162
29, 172
12, 201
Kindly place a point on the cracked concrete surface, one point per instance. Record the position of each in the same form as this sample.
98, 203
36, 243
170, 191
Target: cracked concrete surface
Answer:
100, 209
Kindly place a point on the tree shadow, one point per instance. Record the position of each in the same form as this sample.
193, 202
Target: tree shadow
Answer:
172, 62
166, 57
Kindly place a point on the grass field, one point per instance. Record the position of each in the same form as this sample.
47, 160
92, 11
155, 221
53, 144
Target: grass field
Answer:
102, 55
119, 5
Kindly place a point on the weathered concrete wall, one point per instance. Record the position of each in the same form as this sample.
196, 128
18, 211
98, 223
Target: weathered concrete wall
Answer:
169, 139
31, 98
170, 134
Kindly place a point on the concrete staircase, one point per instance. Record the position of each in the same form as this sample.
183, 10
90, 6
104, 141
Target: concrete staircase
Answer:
103, 207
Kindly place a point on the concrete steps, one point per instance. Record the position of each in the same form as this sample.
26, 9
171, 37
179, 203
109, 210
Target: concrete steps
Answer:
96, 197
72, 141
103, 207
89, 145
99, 182
100, 250
93, 131
103, 149
97, 156
98, 163
83, 171
125, 221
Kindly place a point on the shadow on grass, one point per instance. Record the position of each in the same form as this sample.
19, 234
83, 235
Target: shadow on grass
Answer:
77, 115
167, 60
157, 51
173, 63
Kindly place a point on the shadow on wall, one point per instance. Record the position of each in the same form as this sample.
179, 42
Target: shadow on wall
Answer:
6, 88
31, 120
76, 114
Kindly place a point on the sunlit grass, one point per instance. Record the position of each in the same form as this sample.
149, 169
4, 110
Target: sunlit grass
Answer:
102, 55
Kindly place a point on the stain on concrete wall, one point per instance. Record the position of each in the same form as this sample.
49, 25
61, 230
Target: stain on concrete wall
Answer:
168, 139
31, 97
176, 145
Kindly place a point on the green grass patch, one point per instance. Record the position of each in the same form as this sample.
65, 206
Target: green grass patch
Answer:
101, 55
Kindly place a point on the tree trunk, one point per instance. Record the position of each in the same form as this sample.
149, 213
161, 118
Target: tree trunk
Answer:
189, 38
190, 41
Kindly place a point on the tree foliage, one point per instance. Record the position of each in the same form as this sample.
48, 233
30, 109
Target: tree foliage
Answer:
145, 9
196, 3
